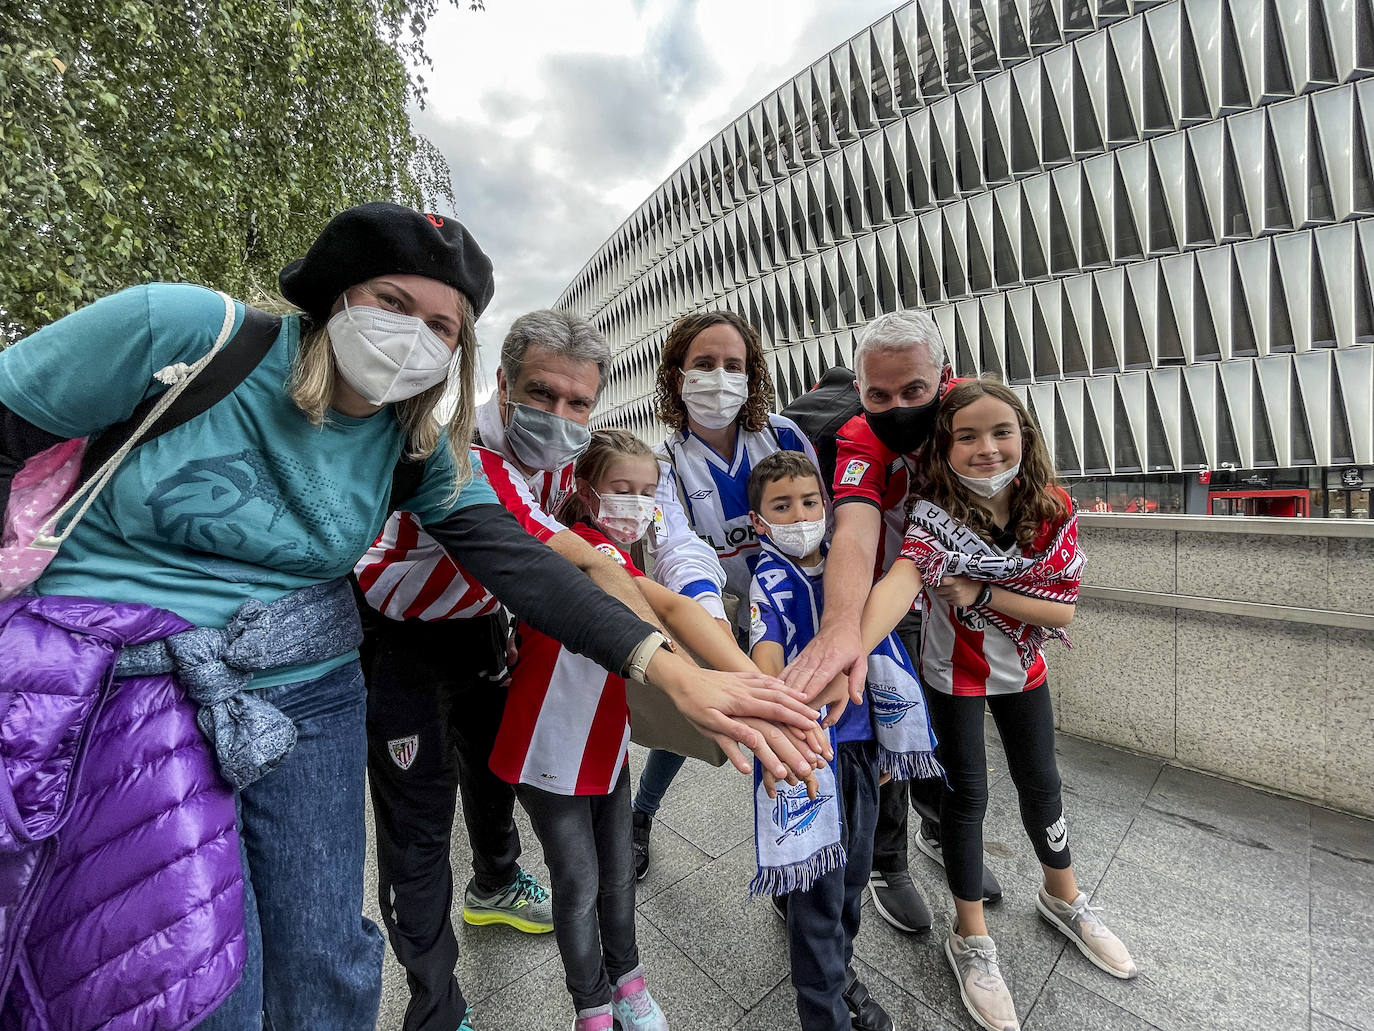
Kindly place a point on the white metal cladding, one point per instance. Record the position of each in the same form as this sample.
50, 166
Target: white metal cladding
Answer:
1155, 220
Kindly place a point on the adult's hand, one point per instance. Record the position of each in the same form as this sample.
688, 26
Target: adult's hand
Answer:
711, 701
838, 646
836, 649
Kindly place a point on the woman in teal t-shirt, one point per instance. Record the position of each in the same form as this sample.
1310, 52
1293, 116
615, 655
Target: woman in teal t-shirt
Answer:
282, 486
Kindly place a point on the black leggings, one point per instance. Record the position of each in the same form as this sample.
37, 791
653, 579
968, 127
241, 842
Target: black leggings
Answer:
1025, 723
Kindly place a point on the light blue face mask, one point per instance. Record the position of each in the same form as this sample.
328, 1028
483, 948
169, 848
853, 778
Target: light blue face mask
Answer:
542, 440
988, 486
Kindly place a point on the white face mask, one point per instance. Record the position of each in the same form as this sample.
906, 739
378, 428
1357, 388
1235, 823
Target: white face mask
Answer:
796, 539
624, 517
386, 356
714, 398
990, 486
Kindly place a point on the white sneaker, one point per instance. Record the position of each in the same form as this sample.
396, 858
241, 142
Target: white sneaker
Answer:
981, 985
1083, 926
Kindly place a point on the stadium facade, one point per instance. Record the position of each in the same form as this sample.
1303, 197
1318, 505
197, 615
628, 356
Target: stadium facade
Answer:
1154, 220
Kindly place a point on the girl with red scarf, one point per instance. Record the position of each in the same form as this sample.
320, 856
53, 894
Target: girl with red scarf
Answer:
992, 546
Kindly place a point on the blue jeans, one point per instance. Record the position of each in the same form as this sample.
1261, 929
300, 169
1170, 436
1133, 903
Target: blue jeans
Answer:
654, 780
823, 921
314, 961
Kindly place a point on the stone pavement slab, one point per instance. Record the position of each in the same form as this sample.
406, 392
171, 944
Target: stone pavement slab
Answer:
1244, 910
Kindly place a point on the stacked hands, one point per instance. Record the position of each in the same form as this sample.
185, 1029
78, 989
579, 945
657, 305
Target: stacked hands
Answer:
779, 719
775, 721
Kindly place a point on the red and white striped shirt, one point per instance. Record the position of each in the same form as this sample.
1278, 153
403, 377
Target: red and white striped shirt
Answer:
406, 574
566, 727
969, 658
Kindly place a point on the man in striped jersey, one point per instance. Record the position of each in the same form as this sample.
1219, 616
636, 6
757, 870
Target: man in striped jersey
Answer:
438, 664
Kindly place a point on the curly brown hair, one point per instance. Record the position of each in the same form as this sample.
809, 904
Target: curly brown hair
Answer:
1037, 500
671, 411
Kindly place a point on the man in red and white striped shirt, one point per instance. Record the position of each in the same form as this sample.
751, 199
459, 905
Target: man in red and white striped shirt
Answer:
437, 663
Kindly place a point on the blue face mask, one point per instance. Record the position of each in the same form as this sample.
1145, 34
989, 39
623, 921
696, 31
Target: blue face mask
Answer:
542, 440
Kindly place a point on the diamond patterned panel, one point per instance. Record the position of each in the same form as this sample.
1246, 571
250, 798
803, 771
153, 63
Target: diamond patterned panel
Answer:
1155, 220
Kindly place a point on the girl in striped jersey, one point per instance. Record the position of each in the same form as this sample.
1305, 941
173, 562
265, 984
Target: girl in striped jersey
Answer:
563, 743
992, 548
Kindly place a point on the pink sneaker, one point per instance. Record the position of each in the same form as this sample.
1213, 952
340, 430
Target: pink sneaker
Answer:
634, 1007
598, 1018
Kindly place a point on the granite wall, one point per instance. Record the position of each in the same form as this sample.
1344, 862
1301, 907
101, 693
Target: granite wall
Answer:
1248, 654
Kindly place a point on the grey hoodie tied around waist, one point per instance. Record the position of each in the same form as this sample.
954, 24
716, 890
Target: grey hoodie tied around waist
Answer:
250, 735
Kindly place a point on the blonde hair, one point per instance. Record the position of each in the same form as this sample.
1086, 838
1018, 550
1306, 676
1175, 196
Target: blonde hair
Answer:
607, 446
312, 381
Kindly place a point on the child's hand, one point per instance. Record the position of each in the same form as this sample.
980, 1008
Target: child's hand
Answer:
819, 741
884, 777
770, 784
958, 590
786, 745
835, 695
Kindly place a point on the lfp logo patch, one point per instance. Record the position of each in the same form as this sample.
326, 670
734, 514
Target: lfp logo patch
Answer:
611, 550
854, 472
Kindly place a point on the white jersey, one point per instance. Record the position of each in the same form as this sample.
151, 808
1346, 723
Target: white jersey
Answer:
714, 493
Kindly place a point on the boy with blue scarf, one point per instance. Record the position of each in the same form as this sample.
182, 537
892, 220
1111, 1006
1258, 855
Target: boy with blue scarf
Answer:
819, 850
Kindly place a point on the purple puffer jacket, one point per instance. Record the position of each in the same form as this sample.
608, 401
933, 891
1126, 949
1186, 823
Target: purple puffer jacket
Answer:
121, 890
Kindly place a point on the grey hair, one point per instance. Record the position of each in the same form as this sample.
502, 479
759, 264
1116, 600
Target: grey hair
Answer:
561, 332
898, 330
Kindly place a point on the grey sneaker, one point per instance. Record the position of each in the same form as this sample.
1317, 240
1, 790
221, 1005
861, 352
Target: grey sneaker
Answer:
974, 962
523, 904
1083, 926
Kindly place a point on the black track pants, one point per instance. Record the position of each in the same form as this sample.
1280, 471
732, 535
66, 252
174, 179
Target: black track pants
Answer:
432, 714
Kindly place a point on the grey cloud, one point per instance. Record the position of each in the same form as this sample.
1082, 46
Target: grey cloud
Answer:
610, 115
538, 231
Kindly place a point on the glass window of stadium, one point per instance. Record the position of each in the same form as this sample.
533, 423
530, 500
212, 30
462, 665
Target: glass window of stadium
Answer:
1348, 492
1137, 495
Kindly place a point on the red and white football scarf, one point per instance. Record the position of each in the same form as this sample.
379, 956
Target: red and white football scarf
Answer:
941, 546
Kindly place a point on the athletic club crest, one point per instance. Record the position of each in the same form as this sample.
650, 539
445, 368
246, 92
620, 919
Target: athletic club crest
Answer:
403, 750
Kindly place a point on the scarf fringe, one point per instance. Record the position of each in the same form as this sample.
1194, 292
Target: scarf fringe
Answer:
782, 880
909, 765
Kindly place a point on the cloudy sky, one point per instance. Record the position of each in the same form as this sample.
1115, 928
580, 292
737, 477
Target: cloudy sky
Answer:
558, 117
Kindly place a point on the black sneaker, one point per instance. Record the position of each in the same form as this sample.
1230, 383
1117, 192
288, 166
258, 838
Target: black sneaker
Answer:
640, 826
865, 1012
928, 842
898, 902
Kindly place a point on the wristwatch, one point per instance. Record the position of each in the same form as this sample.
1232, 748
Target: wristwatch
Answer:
984, 596
637, 667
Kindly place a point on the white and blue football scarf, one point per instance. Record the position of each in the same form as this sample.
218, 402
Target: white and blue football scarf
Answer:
796, 838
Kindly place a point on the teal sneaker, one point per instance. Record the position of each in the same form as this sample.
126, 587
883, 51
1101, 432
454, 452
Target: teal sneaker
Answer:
466, 1025
523, 904
633, 1006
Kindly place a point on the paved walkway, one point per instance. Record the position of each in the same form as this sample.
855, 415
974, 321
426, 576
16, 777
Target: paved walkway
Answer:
1243, 910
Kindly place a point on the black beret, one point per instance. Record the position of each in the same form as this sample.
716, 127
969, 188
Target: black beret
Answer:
386, 239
